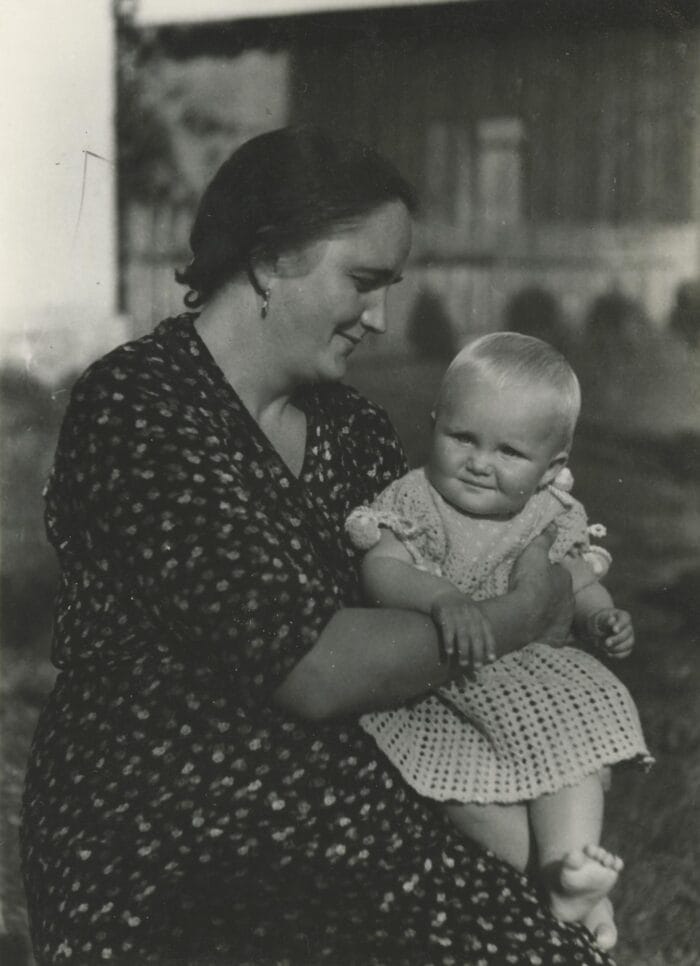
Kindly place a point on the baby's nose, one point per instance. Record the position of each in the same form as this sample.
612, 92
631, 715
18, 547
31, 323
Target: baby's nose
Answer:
478, 461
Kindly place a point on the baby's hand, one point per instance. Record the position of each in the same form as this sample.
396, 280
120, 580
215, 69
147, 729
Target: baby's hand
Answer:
612, 629
465, 634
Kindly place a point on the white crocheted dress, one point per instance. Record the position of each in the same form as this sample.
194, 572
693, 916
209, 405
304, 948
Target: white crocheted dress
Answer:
535, 721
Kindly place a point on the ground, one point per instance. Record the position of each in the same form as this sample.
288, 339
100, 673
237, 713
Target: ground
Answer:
642, 485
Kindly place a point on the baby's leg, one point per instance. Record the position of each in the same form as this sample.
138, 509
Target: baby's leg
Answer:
578, 873
503, 829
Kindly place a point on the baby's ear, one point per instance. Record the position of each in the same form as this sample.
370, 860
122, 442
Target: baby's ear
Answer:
556, 465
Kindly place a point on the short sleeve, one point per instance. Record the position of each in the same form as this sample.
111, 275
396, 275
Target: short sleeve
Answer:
408, 511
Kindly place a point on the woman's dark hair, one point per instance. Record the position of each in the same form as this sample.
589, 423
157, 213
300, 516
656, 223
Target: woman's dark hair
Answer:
280, 191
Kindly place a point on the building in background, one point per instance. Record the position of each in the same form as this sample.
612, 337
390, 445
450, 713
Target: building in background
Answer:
556, 147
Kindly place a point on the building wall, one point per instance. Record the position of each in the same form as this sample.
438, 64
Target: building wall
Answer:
608, 113
549, 153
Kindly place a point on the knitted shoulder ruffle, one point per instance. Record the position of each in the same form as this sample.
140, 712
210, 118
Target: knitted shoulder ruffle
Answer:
406, 508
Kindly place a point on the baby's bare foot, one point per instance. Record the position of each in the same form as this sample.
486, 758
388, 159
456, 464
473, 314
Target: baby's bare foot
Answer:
601, 922
585, 877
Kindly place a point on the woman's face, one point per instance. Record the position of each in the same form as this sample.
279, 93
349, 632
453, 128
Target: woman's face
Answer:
325, 298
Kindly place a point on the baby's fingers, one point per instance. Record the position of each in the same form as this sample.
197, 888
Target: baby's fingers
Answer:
483, 647
488, 642
620, 645
620, 639
456, 642
447, 642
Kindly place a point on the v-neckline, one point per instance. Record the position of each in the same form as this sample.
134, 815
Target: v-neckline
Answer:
300, 400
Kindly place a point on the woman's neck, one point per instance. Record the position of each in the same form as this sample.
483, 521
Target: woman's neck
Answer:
230, 327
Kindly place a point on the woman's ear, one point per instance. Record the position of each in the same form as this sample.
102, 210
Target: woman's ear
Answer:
261, 272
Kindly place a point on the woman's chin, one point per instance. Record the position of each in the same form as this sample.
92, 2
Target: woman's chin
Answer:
334, 369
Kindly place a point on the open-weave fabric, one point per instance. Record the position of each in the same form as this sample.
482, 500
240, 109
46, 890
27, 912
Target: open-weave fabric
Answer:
535, 721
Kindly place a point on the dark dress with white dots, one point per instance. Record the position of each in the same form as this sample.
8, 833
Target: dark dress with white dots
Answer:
172, 814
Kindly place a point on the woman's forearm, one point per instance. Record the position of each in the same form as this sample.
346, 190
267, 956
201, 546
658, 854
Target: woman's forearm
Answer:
365, 660
375, 659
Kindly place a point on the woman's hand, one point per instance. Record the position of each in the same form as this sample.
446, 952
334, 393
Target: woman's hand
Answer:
466, 637
545, 591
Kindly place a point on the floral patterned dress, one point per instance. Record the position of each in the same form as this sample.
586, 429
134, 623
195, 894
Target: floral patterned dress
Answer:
171, 813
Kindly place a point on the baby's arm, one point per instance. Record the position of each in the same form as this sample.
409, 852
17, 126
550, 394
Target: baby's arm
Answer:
391, 579
599, 621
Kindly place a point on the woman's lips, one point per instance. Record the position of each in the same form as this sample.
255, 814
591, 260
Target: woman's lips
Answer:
352, 341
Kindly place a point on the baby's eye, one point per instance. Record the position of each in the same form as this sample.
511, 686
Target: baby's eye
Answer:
512, 453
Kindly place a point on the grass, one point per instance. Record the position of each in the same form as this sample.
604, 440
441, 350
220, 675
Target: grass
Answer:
643, 487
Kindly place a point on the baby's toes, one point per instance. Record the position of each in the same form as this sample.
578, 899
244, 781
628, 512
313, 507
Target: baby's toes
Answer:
607, 859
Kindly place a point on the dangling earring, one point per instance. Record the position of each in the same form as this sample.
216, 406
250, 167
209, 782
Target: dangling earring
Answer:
264, 308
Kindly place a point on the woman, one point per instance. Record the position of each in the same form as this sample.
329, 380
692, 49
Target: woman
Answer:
199, 790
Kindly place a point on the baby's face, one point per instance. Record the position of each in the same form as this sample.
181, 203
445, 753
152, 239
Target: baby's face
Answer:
493, 447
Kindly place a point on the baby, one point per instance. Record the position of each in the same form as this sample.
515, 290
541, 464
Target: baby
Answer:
517, 750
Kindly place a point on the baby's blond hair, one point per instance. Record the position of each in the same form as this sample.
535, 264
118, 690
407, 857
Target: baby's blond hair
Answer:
509, 358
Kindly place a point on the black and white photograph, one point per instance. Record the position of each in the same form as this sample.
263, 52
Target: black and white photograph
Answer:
295, 294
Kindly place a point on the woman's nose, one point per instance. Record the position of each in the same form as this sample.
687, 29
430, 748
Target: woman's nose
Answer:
374, 315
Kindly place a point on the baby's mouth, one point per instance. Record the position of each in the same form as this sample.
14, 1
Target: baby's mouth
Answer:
476, 485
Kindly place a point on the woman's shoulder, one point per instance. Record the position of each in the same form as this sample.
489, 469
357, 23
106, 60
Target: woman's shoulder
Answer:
138, 367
